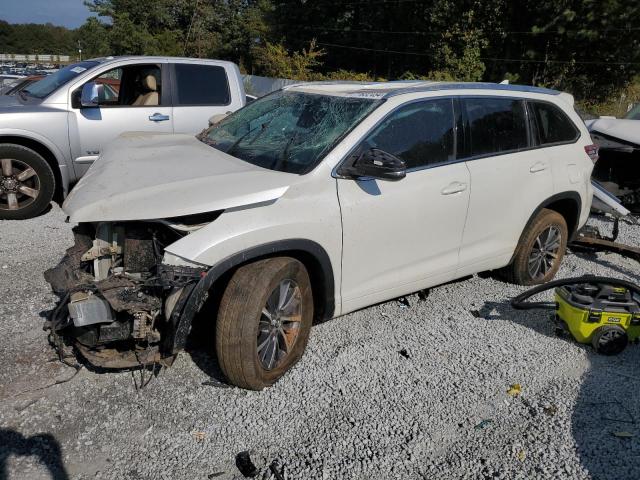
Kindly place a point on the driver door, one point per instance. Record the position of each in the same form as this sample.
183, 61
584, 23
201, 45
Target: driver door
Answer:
129, 101
402, 236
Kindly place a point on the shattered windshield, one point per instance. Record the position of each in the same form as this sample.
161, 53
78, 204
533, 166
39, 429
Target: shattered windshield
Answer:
52, 82
288, 131
634, 113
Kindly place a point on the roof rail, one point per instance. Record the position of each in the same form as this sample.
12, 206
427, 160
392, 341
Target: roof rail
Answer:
435, 86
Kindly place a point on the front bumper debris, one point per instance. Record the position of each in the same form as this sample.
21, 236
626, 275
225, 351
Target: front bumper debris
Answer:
117, 300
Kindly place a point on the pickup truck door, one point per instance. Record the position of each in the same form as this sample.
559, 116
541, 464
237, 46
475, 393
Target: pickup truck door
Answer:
200, 91
402, 236
133, 97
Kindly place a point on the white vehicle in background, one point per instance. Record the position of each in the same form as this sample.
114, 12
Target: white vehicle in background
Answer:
53, 130
310, 203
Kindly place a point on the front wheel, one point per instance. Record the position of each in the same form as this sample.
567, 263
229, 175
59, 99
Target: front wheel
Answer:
27, 183
540, 251
264, 321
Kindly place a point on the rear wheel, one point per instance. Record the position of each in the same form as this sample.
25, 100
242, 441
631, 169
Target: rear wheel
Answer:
27, 183
264, 321
540, 251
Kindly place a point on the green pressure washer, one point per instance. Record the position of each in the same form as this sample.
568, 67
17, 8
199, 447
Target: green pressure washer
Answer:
598, 310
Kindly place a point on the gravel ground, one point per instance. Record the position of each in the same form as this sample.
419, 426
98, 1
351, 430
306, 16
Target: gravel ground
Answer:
416, 392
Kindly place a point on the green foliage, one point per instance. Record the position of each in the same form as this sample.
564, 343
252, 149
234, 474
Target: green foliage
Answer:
586, 47
275, 61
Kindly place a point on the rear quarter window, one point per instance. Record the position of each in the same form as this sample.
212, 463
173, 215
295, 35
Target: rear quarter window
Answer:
496, 125
201, 85
552, 124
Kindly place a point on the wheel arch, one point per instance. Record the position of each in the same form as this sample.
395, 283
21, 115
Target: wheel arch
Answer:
45, 152
312, 255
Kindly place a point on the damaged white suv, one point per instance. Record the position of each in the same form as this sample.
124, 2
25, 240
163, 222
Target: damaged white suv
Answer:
310, 203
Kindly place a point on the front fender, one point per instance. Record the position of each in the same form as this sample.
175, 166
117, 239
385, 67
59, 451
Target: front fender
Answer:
192, 299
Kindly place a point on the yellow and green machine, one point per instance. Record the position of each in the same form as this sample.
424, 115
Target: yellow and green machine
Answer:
604, 312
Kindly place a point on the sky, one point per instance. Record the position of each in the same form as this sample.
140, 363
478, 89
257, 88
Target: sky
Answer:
68, 13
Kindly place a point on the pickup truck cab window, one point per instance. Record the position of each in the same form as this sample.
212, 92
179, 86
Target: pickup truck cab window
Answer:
287, 131
420, 133
201, 85
129, 86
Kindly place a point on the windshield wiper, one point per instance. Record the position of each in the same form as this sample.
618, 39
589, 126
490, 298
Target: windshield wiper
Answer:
263, 127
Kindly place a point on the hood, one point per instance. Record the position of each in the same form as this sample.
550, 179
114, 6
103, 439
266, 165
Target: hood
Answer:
144, 176
623, 129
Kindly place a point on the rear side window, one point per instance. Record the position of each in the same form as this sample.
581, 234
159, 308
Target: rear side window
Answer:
496, 125
419, 133
552, 124
201, 85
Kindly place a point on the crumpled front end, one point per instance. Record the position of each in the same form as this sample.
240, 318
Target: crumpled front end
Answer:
119, 303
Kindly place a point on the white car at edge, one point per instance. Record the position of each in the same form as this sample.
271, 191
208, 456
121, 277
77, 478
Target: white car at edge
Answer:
310, 203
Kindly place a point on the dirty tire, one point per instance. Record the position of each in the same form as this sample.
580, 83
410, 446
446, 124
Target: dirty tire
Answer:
241, 320
545, 222
39, 181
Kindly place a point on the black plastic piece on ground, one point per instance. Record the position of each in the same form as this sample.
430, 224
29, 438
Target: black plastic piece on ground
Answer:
245, 465
404, 353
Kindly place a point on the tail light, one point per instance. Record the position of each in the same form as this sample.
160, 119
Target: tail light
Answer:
592, 151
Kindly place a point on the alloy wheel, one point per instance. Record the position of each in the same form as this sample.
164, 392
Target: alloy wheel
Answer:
279, 324
544, 253
19, 184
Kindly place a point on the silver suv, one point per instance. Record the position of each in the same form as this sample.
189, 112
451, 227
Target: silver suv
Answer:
52, 131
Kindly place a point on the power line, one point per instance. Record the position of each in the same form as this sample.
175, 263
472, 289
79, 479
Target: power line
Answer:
434, 32
423, 54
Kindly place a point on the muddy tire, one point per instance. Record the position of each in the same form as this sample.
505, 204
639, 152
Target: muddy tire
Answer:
264, 320
27, 183
540, 250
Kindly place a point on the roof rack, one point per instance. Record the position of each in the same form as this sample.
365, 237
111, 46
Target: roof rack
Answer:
434, 86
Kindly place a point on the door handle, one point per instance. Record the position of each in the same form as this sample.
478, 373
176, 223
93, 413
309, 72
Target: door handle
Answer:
454, 187
538, 167
158, 117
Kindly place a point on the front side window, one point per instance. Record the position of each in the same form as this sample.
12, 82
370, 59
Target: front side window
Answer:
420, 133
288, 131
552, 125
201, 85
496, 125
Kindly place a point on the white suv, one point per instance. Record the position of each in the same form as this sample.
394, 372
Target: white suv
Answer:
310, 203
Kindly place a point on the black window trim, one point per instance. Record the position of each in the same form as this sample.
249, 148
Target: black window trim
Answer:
355, 150
174, 85
578, 134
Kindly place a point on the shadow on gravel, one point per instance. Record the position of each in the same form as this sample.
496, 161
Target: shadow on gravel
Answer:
44, 446
605, 421
606, 418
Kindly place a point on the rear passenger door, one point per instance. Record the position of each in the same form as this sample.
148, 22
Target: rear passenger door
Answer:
510, 178
199, 92
399, 237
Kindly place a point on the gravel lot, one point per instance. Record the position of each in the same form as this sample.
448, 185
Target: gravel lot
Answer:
387, 392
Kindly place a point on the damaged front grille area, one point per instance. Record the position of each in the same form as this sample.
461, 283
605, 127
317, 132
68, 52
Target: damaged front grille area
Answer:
116, 295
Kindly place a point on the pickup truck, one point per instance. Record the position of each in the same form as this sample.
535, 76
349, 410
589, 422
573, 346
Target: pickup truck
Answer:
51, 132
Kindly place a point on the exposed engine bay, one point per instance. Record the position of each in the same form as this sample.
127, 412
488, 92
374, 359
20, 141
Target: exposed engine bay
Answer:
118, 301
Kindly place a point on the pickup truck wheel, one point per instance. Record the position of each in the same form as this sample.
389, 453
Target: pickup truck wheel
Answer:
264, 321
540, 251
26, 183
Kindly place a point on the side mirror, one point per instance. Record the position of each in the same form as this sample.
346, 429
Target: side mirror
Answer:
377, 163
90, 96
215, 119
